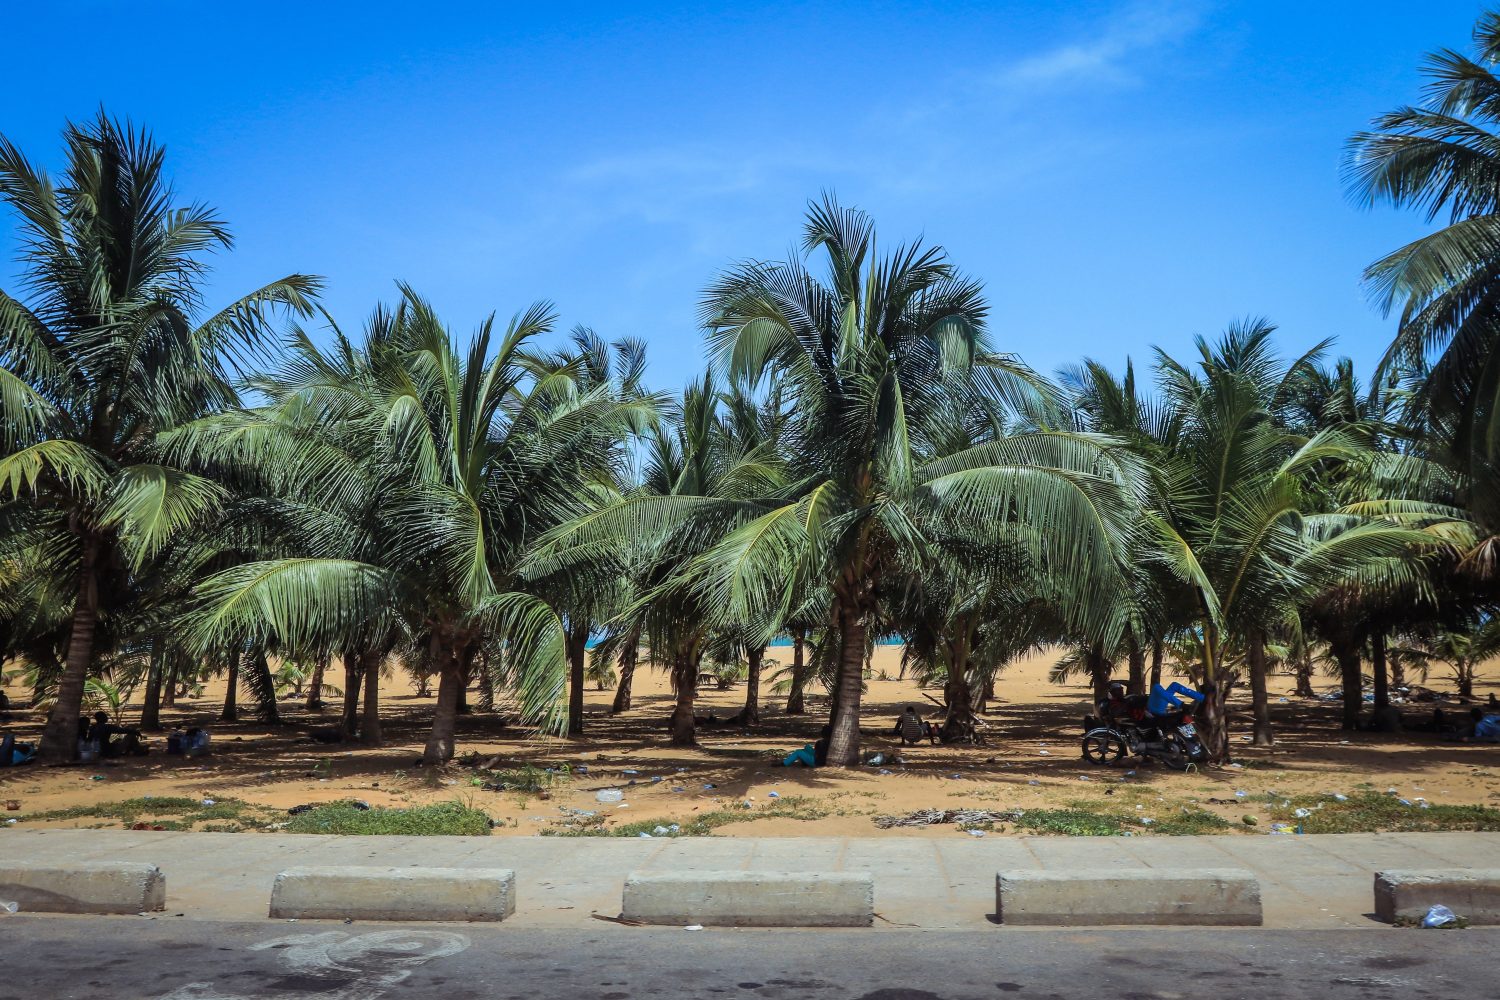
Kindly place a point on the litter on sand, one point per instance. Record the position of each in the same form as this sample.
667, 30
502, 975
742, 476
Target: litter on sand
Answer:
933, 817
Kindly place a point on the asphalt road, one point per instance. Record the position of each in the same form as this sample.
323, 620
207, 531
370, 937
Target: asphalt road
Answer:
162, 959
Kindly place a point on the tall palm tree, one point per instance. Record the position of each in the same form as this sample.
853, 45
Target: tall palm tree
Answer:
869, 360
104, 348
1441, 157
1243, 523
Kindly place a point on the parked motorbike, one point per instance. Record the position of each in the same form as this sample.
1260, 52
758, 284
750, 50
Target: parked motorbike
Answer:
1171, 739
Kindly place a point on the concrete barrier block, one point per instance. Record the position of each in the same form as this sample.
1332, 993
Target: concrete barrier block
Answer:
1207, 897
379, 893
83, 886
751, 899
1472, 893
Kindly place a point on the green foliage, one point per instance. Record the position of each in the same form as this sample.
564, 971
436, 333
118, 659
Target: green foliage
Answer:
449, 819
530, 778
1370, 812
1070, 822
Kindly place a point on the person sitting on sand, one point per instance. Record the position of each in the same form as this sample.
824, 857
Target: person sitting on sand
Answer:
812, 755
105, 731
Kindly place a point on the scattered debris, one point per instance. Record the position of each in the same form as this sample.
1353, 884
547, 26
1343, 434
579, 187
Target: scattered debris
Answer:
933, 817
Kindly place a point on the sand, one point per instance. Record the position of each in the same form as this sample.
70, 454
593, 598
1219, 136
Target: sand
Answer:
1031, 760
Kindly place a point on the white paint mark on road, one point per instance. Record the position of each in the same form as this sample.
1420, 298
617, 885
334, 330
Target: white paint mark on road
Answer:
360, 967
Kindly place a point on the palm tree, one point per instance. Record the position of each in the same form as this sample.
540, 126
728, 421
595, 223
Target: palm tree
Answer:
1441, 158
868, 361
104, 349
475, 456
1243, 522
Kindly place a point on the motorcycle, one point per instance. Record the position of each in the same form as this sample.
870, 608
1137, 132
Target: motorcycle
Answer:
1171, 739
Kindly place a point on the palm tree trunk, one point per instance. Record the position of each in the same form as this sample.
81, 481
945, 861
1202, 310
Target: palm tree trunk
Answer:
1304, 670
685, 685
958, 692
1463, 672
231, 712
485, 684
370, 726
265, 687
796, 701
315, 686
151, 709
1256, 654
1382, 677
576, 645
628, 657
987, 696
843, 746
440, 743
960, 719
1099, 672
1157, 651
750, 714
171, 680
353, 676
1136, 684
1215, 715
1346, 652
60, 736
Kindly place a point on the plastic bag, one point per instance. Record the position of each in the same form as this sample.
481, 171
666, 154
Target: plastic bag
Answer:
1439, 916
610, 795
6, 906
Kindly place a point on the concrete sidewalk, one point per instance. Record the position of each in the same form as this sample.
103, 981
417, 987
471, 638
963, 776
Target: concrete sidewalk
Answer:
1314, 882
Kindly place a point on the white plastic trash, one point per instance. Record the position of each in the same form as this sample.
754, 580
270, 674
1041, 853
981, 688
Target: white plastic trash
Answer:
1439, 916
6, 906
609, 795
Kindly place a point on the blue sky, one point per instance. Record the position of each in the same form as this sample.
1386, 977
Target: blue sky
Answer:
1120, 174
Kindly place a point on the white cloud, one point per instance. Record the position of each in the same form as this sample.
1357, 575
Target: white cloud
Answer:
1109, 57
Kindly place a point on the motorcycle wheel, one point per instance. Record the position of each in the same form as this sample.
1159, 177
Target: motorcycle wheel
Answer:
1101, 746
1177, 755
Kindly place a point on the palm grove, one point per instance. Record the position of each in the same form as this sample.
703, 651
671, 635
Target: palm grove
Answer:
188, 492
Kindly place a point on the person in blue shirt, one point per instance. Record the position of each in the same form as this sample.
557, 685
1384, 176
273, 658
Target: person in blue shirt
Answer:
1164, 700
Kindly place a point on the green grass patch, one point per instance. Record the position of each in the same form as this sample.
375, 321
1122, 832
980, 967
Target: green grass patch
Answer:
700, 825
446, 819
1070, 822
527, 778
167, 811
1370, 812
1191, 822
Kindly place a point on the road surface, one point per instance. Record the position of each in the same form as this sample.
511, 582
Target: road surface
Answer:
83, 958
